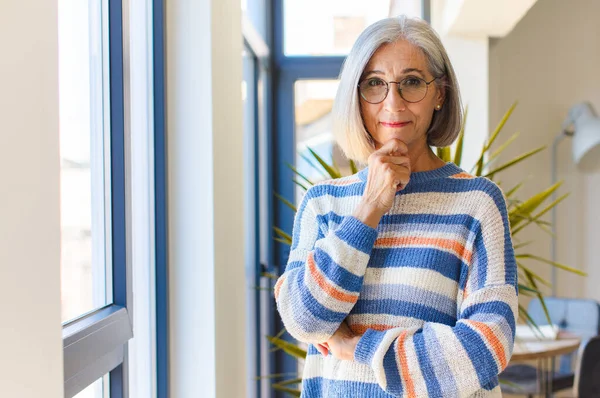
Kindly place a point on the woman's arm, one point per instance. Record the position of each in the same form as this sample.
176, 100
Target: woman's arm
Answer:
440, 360
324, 275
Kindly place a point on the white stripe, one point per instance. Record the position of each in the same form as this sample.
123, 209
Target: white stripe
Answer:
417, 277
332, 368
352, 260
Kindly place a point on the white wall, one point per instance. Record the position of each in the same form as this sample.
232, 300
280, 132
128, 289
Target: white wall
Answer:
548, 63
206, 241
469, 57
30, 330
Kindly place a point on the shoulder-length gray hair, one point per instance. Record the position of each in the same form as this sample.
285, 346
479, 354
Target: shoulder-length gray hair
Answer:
348, 126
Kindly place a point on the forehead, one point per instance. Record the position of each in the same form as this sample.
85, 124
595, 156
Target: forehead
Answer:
397, 56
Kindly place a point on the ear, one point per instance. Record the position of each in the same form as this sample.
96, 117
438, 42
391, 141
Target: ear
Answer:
440, 96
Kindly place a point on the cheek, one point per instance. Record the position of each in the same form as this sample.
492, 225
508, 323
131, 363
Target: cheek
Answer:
369, 115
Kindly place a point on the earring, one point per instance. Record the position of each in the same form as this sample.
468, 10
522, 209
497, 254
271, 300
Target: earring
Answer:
438, 107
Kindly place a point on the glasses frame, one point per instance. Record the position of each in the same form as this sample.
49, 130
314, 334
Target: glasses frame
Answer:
387, 88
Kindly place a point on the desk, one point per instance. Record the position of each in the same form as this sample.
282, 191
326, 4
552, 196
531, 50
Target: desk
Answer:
544, 352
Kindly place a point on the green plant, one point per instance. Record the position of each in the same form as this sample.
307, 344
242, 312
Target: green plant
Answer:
522, 213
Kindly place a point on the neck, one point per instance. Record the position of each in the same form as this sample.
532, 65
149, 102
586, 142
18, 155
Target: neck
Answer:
422, 158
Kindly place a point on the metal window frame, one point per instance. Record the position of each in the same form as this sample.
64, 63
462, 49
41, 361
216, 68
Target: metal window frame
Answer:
160, 200
96, 343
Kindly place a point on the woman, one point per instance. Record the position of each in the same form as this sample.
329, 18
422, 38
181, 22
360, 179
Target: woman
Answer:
402, 277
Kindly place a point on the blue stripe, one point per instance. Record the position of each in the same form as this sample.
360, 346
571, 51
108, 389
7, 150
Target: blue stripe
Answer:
463, 220
320, 313
409, 293
356, 234
335, 273
318, 387
491, 307
431, 381
443, 262
403, 308
441, 367
392, 372
336, 191
480, 356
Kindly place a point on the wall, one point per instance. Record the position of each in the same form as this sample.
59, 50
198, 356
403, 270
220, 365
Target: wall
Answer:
548, 63
205, 191
30, 330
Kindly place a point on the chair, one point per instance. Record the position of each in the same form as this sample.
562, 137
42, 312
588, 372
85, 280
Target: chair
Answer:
580, 317
587, 376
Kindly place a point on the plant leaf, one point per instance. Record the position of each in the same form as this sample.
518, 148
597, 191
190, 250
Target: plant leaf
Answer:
314, 166
285, 201
528, 206
501, 148
444, 153
291, 391
520, 245
540, 297
282, 233
515, 161
514, 189
299, 174
479, 165
459, 143
289, 382
529, 272
555, 264
300, 185
288, 347
353, 168
330, 170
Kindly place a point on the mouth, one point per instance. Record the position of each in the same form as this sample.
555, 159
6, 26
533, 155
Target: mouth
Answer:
394, 124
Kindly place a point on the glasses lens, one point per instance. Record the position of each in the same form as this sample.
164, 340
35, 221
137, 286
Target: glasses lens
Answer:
373, 90
413, 89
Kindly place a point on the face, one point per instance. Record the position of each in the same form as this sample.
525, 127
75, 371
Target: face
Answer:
395, 117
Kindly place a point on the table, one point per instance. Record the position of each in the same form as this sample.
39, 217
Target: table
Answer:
544, 352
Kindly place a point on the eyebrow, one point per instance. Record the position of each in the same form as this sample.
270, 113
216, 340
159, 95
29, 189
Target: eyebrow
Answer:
404, 72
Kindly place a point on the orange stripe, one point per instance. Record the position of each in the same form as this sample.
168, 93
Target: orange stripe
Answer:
278, 286
341, 183
326, 286
493, 340
448, 244
462, 175
359, 328
410, 386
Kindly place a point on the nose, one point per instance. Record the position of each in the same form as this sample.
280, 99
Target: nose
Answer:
394, 101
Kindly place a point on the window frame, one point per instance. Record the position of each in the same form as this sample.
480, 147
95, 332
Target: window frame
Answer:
96, 343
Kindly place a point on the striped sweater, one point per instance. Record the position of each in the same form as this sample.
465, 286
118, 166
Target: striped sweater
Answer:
432, 290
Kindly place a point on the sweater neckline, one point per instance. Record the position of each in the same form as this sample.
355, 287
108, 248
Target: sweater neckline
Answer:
447, 170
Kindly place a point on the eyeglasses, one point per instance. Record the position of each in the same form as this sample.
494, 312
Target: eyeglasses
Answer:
412, 89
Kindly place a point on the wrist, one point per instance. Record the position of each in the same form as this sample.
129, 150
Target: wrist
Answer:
368, 214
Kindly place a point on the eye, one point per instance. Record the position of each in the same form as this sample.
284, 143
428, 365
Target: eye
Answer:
375, 82
412, 82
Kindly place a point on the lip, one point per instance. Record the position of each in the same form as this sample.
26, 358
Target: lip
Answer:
394, 124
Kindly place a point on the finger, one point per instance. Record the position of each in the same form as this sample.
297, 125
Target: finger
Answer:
397, 160
394, 147
322, 349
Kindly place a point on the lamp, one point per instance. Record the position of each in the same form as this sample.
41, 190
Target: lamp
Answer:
586, 153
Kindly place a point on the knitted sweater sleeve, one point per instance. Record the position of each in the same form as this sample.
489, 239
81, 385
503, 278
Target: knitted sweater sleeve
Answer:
324, 272
455, 361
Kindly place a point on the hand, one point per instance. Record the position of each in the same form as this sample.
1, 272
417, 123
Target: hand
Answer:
389, 172
342, 344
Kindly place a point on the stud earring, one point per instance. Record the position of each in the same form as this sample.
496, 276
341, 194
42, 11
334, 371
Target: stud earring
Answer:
438, 107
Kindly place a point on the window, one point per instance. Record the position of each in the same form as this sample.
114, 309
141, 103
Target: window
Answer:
95, 214
335, 26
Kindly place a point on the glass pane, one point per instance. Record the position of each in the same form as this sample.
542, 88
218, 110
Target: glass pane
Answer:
99, 389
335, 26
313, 100
83, 111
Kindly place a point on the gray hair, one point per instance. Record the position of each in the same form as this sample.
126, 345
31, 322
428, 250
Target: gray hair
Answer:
348, 126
